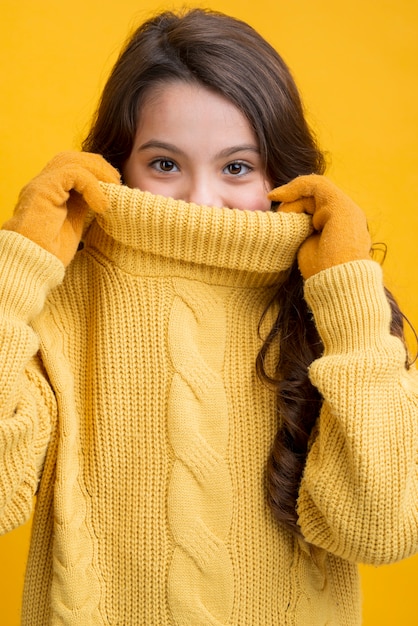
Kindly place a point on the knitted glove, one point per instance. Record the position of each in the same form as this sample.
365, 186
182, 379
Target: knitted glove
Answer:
340, 228
52, 207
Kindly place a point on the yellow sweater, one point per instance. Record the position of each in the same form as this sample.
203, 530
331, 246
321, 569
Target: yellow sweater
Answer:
130, 404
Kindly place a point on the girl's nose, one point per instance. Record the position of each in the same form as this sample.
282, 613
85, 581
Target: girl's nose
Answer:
204, 192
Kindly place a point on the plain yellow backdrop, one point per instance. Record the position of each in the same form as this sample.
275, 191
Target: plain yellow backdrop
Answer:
356, 65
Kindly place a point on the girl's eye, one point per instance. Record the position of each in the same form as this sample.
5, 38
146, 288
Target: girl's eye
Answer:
164, 165
237, 168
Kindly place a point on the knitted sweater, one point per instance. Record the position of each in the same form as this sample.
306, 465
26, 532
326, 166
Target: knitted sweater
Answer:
130, 405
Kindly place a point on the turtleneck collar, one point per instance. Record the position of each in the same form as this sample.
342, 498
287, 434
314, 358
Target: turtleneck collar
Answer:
145, 232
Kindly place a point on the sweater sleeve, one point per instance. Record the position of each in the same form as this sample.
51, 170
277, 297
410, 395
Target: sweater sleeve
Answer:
27, 403
359, 493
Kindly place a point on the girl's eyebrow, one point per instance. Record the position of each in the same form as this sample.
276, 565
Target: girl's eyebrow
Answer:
225, 153
246, 147
161, 145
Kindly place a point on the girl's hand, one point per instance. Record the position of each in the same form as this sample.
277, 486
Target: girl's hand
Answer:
340, 228
51, 208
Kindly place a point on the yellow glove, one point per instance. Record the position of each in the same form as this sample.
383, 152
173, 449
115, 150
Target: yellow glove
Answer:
340, 228
52, 207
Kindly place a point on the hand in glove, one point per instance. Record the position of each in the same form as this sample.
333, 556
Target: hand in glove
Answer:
52, 207
340, 228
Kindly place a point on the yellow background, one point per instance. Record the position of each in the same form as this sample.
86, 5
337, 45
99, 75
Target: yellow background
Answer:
356, 64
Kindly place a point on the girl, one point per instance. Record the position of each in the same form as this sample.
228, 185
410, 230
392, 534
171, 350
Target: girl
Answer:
211, 399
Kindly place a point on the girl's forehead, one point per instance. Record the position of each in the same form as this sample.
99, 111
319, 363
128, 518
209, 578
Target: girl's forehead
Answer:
181, 107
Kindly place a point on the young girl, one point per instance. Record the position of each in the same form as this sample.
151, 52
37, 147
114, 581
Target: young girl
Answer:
211, 399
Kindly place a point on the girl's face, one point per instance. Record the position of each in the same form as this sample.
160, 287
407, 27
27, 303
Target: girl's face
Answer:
192, 144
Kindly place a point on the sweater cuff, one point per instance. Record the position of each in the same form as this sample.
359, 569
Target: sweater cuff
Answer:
27, 275
350, 307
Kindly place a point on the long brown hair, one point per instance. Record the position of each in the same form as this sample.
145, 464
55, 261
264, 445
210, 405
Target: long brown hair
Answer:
223, 54
228, 56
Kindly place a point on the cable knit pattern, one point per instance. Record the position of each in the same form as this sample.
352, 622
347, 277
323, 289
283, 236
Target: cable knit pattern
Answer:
130, 404
75, 585
200, 490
